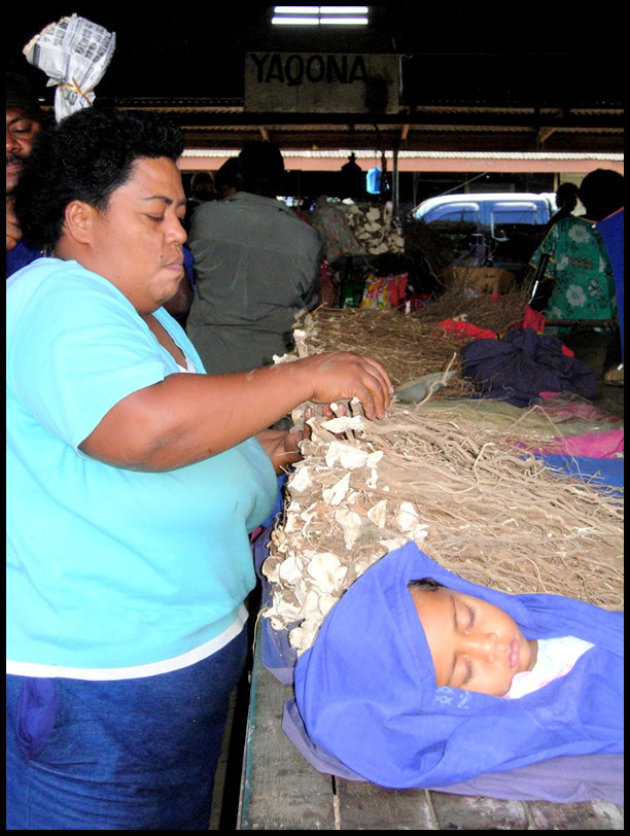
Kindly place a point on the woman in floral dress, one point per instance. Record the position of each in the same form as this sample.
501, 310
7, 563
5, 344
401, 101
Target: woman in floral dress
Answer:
578, 272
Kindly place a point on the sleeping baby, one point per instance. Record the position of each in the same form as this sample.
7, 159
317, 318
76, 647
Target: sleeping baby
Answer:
418, 677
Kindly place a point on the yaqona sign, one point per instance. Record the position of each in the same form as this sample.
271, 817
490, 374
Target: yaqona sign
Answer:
322, 82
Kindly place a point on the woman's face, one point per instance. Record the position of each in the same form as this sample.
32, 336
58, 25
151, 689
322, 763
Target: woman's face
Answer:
474, 644
136, 242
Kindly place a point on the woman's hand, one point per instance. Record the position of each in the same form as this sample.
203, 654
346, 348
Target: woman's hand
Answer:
282, 446
344, 376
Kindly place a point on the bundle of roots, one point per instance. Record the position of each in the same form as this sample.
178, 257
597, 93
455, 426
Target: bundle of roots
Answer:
463, 484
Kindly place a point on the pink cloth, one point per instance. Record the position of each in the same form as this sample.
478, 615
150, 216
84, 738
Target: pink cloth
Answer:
558, 407
599, 445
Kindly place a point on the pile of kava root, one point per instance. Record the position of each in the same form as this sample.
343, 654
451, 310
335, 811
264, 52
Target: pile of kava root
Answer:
468, 492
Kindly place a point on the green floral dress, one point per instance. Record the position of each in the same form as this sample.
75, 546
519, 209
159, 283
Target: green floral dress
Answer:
579, 266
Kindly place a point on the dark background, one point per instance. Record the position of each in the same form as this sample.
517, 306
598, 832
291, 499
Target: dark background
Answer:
554, 53
470, 68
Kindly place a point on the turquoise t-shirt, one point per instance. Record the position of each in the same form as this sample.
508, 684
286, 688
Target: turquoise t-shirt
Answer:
108, 567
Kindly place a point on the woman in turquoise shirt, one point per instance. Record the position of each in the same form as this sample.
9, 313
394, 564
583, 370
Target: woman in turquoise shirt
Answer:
134, 482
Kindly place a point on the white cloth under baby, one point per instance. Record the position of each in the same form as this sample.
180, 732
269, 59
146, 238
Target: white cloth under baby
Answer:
555, 658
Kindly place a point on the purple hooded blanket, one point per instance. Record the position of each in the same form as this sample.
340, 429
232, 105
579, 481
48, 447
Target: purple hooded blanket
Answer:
366, 705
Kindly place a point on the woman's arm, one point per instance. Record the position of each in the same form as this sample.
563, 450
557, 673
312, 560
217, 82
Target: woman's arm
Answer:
189, 417
282, 446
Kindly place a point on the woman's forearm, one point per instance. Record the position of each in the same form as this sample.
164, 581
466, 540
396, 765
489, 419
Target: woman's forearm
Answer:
186, 417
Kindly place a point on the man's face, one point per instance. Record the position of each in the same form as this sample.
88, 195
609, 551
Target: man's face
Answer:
21, 132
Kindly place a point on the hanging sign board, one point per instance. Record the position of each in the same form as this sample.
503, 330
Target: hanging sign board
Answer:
336, 82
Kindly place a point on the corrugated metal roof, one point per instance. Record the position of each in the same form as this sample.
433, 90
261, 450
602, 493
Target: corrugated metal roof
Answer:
342, 153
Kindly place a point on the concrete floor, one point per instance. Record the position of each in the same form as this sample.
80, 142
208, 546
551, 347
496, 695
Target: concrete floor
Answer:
601, 352
611, 400
228, 778
224, 803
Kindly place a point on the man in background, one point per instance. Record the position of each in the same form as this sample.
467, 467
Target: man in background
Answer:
25, 119
256, 268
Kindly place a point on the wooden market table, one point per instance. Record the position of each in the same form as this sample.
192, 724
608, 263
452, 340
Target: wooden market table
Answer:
280, 790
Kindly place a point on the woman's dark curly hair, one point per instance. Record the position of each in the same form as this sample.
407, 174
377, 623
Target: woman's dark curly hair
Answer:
86, 157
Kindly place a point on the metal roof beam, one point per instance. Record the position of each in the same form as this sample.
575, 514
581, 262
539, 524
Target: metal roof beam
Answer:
425, 120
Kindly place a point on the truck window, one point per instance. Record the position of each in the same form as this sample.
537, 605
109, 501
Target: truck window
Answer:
518, 213
508, 218
454, 212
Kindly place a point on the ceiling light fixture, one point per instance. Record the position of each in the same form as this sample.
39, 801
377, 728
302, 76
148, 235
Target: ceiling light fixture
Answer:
320, 15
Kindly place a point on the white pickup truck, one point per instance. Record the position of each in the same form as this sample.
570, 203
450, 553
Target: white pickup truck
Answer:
512, 223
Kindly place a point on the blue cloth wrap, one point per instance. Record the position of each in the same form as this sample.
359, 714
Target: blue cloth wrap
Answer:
367, 694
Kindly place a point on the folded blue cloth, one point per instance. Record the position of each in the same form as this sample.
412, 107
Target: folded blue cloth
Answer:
601, 472
560, 780
521, 365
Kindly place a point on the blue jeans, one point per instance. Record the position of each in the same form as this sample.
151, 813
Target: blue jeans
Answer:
136, 754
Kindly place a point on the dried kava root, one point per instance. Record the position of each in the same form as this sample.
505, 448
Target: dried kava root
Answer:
468, 492
406, 346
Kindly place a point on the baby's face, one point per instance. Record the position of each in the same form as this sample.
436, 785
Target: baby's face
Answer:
474, 645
